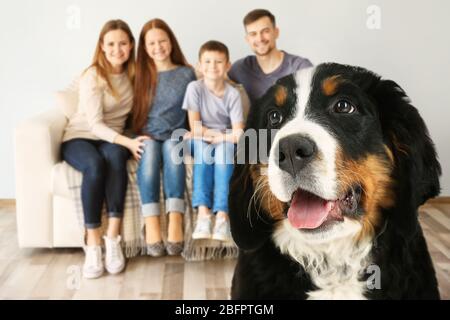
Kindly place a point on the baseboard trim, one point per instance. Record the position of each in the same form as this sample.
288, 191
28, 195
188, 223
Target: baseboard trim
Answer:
441, 200
7, 202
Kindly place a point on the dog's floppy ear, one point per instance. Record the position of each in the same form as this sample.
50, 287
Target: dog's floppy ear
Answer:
417, 169
251, 225
249, 228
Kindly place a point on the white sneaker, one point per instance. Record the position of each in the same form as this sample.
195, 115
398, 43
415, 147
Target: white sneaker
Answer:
202, 228
222, 230
114, 259
93, 264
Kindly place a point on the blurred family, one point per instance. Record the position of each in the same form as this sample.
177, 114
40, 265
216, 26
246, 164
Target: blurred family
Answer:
160, 92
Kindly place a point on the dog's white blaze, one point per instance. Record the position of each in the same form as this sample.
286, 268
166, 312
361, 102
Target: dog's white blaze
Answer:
332, 259
323, 173
304, 81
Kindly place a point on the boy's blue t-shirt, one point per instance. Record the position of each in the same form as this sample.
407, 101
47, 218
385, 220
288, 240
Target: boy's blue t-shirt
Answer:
215, 113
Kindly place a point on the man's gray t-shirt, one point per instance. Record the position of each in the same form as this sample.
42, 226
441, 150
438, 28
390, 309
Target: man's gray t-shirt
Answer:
247, 72
215, 113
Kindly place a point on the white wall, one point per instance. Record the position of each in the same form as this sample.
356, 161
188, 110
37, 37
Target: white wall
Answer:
39, 53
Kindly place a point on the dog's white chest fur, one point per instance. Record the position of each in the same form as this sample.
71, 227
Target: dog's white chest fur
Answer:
334, 265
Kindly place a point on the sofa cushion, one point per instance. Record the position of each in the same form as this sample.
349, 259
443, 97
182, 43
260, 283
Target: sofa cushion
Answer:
66, 229
59, 184
67, 99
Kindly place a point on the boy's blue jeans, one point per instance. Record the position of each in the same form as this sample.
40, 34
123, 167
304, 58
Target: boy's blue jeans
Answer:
157, 153
213, 167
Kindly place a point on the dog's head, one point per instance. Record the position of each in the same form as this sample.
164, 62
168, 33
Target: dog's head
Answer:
347, 150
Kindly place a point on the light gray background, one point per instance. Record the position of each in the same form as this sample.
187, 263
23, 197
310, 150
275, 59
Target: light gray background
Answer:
40, 54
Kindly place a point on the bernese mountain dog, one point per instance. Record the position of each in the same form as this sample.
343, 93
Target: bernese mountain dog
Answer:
325, 204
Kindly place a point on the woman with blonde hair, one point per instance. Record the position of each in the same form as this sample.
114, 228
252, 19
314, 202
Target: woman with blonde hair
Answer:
162, 75
94, 144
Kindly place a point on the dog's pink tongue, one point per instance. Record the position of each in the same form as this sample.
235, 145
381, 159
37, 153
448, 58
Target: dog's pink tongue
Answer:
308, 211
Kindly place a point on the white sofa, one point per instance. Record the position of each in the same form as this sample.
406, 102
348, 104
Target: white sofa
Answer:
45, 211
46, 214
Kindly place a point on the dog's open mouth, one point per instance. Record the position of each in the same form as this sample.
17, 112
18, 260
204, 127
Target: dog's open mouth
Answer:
308, 211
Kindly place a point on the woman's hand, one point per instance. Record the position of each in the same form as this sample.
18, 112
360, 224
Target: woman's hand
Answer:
136, 146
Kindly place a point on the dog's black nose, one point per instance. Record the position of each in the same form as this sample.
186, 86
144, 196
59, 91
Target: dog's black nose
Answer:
295, 152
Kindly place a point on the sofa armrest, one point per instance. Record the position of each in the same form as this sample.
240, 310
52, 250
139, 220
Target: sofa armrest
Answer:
37, 150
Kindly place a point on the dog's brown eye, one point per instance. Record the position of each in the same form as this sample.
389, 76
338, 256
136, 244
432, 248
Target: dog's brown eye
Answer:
344, 106
275, 118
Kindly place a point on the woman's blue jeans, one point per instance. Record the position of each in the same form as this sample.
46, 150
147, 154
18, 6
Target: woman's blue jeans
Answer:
105, 177
157, 154
213, 167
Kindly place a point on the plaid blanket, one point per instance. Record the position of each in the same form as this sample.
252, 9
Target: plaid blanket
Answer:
133, 224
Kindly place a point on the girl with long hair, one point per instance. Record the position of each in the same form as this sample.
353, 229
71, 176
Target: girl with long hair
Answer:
162, 75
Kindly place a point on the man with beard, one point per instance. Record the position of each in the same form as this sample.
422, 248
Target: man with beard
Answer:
259, 72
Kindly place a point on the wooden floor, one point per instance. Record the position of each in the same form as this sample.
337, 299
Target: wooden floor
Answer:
56, 273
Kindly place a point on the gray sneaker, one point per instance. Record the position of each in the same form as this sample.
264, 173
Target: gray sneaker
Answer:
222, 230
174, 248
202, 229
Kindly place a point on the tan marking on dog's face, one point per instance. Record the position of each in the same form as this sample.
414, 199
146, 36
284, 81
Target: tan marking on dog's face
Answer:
399, 146
280, 96
330, 85
373, 174
389, 154
263, 196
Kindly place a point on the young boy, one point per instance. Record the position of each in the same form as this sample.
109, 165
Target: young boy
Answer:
214, 107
